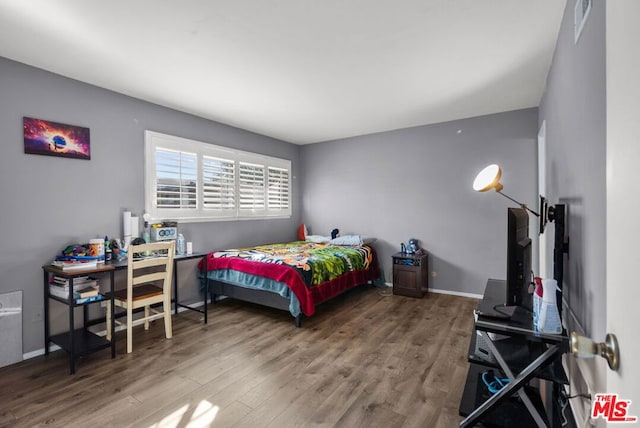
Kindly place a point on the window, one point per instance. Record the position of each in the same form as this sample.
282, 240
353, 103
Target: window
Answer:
189, 180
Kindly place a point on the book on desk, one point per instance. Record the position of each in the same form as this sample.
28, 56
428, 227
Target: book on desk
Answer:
73, 265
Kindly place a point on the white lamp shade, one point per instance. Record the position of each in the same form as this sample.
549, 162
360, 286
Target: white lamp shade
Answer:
488, 178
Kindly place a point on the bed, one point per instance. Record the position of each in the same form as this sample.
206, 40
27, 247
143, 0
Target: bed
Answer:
293, 276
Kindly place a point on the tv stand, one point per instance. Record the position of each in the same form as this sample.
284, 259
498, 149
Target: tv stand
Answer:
522, 354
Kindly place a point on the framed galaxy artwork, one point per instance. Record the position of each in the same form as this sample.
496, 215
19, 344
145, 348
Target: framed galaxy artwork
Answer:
42, 137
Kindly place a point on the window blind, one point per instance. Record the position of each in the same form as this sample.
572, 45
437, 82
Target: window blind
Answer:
251, 187
218, 184
176, 179
278, 188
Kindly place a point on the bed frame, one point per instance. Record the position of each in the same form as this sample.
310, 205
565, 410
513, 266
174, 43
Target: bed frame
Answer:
260, 297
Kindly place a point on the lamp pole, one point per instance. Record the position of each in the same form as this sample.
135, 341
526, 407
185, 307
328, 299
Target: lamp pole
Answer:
519, 203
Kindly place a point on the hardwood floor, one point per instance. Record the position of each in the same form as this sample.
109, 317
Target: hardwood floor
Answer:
363, 360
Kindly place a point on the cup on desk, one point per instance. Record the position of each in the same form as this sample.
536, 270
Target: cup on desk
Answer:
189, 248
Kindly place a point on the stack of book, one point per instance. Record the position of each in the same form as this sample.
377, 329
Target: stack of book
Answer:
85, 289
68, 265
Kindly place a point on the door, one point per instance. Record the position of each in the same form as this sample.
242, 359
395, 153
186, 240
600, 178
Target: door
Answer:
623, 195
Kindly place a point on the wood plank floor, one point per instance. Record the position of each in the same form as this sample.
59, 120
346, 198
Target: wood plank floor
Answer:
365, 359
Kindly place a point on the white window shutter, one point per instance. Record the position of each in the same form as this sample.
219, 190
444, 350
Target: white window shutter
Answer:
251, 188
218, 184
189, 180
176, 179
278, 189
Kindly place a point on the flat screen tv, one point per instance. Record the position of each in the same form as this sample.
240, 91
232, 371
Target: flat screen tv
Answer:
518, 258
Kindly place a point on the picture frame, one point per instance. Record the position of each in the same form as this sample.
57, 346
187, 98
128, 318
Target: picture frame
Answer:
43, 137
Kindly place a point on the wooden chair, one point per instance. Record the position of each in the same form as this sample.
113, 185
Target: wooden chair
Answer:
145, 288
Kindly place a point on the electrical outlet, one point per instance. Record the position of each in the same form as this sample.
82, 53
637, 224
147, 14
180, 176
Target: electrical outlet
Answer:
434, 274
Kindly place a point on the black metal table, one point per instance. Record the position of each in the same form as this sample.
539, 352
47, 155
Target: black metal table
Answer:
76, 342
520, 324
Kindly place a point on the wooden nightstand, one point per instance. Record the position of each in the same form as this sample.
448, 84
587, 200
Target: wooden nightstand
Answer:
410, 274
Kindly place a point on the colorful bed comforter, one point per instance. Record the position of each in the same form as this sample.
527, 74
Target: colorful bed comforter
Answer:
313, 272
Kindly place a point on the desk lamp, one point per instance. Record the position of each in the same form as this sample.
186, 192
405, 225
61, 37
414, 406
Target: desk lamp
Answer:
489, 178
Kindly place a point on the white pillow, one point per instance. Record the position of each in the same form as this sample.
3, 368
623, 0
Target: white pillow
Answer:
318, 239
346, 240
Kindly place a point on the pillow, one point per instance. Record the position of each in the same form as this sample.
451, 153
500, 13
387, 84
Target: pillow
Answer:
302, 232
346, 240
318, 239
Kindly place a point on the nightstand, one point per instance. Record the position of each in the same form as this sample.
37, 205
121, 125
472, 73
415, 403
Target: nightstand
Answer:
410, 274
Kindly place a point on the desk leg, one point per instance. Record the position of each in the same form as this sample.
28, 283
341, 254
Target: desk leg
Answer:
513, 386
113, 313
85, 316
46, 313
176, 298
205, 291
72, 344
175, 285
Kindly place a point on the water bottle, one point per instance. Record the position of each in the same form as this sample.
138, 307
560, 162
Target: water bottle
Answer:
180, 251
146, 235
107, 249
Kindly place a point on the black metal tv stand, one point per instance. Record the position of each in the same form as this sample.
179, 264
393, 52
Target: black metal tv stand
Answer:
522, 354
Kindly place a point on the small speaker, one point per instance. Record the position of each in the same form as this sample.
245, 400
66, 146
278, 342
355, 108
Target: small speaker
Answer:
163, 233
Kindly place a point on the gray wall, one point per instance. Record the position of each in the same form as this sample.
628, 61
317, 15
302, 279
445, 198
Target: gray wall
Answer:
417, 182
48, 202
574, 108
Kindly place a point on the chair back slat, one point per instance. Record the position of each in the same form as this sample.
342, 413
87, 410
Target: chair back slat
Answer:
149, 277
166, 249
150, 262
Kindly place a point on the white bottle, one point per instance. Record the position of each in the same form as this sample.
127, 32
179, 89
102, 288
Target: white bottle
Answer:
180, 251
537, 302
549, 318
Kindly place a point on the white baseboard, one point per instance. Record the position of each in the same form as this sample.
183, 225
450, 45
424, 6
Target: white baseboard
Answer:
452, 293
53, 347
457, 293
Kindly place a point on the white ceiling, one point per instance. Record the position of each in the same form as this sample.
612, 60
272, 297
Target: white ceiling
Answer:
301, 71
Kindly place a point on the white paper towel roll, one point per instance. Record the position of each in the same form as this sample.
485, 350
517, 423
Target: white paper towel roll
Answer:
135, 226
126, 224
